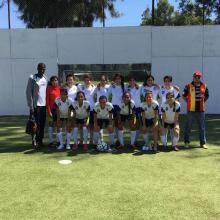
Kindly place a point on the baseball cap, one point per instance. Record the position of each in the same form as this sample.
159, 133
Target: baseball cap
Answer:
197, 73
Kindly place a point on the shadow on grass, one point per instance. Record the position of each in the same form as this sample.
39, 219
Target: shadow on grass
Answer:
14, 140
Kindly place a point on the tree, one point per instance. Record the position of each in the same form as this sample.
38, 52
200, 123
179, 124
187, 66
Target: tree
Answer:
164, 13
63, 13
191, 12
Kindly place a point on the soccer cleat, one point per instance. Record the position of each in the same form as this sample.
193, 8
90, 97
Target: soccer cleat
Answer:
60, 147
133, 147
155, 149
50, 144
75, 147
68, 147
85, 147
186, 145
175, 148
144, 148
204, 146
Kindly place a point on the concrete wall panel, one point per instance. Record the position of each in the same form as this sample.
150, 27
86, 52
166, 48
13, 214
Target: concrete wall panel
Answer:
127, 45
4, 44
177, 41
211, 41
211, 78
6, 88
37, 43
80, 46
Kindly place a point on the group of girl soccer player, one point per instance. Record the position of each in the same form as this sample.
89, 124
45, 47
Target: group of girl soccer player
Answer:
82, 111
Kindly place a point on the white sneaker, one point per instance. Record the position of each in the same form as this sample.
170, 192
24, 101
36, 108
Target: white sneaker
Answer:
68, 147
144, 148
60, 147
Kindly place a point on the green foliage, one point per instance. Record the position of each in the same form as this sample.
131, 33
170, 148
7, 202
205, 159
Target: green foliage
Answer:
163, 14
63, 13
189, 12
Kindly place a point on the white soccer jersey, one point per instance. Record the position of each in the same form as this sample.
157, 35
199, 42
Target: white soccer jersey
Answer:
89, 93
42, 83
170, 111
116, 92
103, 113
82, 111
149, 109
71, 92
135, 95
101, 91
154, 89
163, 92
124, 110
63, 107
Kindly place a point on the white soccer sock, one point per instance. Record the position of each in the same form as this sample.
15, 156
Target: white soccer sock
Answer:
137, 135
68, 137
85, 135
174, 139
101, 134
111, 138
60, 137
75, 135
96, 137
34, 139
146, 139
133, 137
121, 136
164, 140
50, 134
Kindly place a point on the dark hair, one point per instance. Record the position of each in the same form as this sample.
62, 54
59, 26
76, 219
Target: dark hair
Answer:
148, 77
102, 97
41, 65
170, 94
170, 78
70, 75
136, 85
148, 92
122, 81
87, 76
106, 79
129, 103
63, 90
52, 78
80, 92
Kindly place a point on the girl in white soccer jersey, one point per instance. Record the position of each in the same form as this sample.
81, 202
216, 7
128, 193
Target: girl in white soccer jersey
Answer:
71, 87
116, 91
149, 114
167, 88
149, 85
81, 109
126, 112
103, 117
102, 88
135, 91
170, 114
62, 105
88, 89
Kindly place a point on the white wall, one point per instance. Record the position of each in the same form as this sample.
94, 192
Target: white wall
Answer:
178, 51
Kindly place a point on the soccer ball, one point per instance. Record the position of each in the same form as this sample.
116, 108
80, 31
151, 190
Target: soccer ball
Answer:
102, 146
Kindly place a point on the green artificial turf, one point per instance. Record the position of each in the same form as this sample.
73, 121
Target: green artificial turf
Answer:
128, 185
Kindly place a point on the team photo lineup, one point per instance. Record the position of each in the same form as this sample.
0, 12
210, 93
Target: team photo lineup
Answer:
79, 112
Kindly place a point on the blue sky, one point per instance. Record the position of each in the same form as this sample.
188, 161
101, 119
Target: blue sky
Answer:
131, 11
